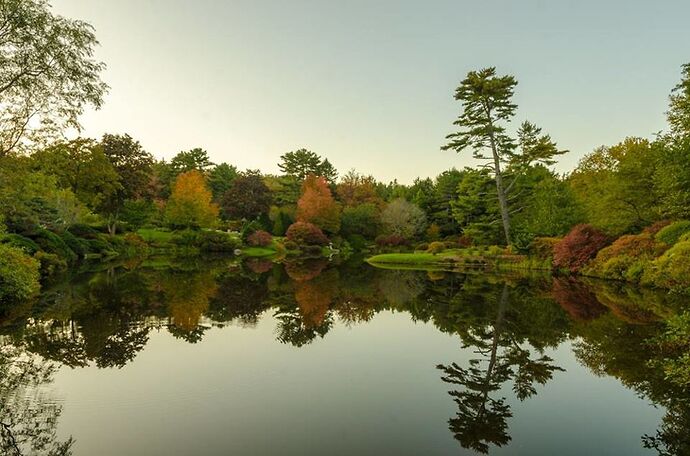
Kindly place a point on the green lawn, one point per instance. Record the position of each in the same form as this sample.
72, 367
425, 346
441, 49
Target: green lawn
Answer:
410, 258
155, 236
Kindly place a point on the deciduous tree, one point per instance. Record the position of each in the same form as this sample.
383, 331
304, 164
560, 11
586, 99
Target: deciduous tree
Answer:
190, 203
317, 206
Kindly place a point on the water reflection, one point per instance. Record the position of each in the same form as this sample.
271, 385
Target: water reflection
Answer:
105, 318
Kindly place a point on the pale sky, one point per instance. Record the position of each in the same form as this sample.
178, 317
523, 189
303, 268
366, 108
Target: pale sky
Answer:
369, 83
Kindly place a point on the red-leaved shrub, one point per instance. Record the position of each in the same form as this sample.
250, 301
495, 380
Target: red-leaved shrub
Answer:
304, 233
579, 246
260, 238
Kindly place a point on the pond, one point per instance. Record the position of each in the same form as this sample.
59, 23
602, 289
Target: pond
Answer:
311, 358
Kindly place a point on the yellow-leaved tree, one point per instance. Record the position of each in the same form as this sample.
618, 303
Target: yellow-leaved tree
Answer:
190, 203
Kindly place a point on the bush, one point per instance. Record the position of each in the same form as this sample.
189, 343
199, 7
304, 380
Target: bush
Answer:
19, 275
542, 247
656, 227
391, 240
217, 241
436, 247
673, 232
613, 262
357, 242
578, 247
185, 238
672, 269
291, 245
304, 233
423, 246
20, 242
260, 238
135, 242
451, 245
78, 246
49, 263
465, 241
83, 231
52, 243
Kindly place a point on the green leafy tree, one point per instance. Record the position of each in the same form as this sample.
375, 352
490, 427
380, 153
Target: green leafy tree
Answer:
487, 106
616, 186
678, 114
134, 168
303, 162
363, 220
48, 74
189, 160
220, 179
81, 166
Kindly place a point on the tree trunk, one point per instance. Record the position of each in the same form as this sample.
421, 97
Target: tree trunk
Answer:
500, 189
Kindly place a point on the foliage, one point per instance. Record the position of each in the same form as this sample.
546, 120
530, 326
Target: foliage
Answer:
302, 163
402, 218
260, 238
615, 186
670, 234
672, 269
317, 206
363, 219
217, 241
391, 240
303, 233
248, 197
50, 263
81, 166
578, 247
19, 274
137, 213
190, 160
134, 168
356, 189
48, 74
220, 179
436, 247
190, 203
678, 114
543, 247
674, 343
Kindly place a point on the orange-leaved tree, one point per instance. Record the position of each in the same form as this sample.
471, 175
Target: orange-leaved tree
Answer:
190, 203
317, 206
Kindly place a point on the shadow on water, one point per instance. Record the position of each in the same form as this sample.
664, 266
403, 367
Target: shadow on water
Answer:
508, 322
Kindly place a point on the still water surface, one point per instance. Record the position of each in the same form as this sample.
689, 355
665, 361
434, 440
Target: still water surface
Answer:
312, 358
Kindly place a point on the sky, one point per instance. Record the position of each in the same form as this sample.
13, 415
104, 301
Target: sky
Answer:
369, 83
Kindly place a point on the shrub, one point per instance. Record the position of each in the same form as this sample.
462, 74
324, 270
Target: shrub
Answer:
52, 243
673, 232
217, 241
49, 263
78, 246
391, 240
436, 247
451, 245
135, 242
19, 274
357, 242
613, 262
185, 238
260, 238
653, 229
20, 242
433, 232
672, 269
81, 230
542, 247
423, 246
579, 246
465, 241
291, 245
304, 233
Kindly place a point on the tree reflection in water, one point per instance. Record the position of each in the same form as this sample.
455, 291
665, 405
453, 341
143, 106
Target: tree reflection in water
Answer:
28, 416
105, 319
